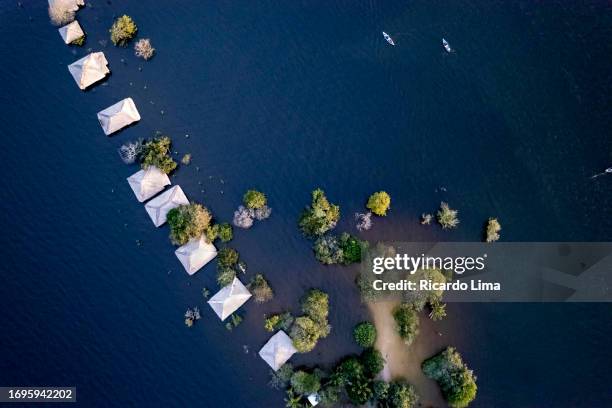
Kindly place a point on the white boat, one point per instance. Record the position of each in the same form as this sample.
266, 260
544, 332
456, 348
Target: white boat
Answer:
388, 38
446, 46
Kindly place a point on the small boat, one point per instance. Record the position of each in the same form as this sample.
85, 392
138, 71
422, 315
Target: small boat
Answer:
388, 38
446, 46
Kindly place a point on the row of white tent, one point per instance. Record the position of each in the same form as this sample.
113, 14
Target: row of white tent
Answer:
149, 182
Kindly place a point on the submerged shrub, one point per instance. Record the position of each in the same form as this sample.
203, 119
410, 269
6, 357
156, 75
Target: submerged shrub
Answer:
401, 395
280, 378
305, 333
262, 213
187, 222
156, 153
320, 217
493, 229
407, 322
279, 321
243, 217
225, 275
61, 12
144, 49
123, 30
130, 151
365, 334
364, 221
327, 250
262, 292
254, 199
227, 257
457, 382
226, 233
447, 217
379, 203
305, 383
212, 233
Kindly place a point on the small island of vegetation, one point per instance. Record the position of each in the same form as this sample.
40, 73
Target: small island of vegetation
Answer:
457, 382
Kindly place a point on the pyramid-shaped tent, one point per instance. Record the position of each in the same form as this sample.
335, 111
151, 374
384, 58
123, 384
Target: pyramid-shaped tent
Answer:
148, 182
118, 116
277, 350
71, 32
229, 299
89, 69
195, 254
158, 207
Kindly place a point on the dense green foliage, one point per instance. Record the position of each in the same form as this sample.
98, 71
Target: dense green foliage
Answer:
226, 233
407, 322
305, 383
261, 290
123, 30
227, 257
320, 217
457, 382
380, 389
280, 378
379, 203
365, 334
279, 321
447, 217
212, 232
419, 298
187, 222
254, 199
372, 361
308, 329
225, 275
438, 311
401, 395
155, 152
329, 249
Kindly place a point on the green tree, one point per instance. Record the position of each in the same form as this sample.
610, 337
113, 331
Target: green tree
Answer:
305, 383
187, 222
379, 203
457, 382
327, 250
438, 311
279, 321
280, 378
212, 233
316, 305
320, 217
292, 400
156, 153
407, 322
372, 361
254, 199
227, 257
261, 289
401, 395
447, 217
365, 334
351, 248
123, 30
359, 390
225, 275
380, 389
225, 232
305, 333
348, 371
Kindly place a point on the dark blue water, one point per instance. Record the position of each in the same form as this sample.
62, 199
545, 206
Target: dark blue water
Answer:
285, 97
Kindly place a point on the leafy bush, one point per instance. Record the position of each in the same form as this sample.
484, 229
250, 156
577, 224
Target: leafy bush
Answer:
320, 217
305, 383
419, 298
327, 250
380, 389
359, 390
227, 257
212, 233
347, 371
225, 232
279, 321
280, 378
493, 229
145, 50
407, 321
261, 289
305, 333
123, 30
254, 199
401, 395
365, 334
457, 382
187, 222
234, 322
379, 203
351, 248
438, 311
373, 362
156, 153
447, 217
316, 305
225, 275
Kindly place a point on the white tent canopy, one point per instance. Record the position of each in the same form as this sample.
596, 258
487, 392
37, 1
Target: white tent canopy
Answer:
118, 116
89, 69
195, 254
71, 32
148, 182
229, 299
159, 206
72, 5
277, 350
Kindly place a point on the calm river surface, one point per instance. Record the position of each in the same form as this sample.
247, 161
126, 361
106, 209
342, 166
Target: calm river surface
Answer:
286, 96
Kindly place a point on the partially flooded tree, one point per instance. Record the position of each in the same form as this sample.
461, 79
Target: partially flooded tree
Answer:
144, 49
493, 228
447, 217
